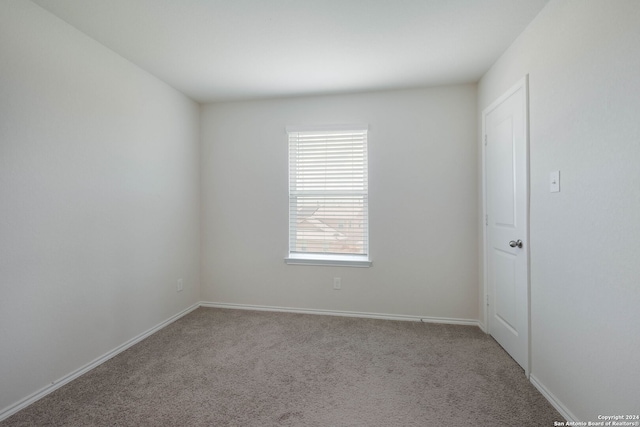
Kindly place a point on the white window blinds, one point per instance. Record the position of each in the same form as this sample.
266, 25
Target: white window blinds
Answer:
328, 193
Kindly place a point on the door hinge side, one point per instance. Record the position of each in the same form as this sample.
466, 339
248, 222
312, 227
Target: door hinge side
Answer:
486, 220
487, 299
485, 140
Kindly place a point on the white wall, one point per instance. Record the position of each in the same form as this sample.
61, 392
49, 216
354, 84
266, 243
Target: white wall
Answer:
99, 200
583, 60
423, 204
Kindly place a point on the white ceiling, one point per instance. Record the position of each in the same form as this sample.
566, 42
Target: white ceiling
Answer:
214, 50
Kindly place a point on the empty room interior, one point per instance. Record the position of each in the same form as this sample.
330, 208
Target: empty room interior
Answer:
355, 212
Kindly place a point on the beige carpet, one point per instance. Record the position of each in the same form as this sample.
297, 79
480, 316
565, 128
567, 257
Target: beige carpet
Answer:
218, 367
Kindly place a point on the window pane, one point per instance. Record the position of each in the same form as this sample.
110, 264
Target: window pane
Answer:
328, 209
330, 225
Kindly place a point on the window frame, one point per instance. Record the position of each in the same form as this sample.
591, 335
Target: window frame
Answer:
328, 259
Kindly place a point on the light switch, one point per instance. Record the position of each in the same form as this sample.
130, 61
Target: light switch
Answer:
554, 182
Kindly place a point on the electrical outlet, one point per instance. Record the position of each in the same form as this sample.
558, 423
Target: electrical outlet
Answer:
180, 285
337, 283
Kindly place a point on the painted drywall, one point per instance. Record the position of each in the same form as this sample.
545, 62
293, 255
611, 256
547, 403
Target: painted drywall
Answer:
99, 200
422, 204
583, 61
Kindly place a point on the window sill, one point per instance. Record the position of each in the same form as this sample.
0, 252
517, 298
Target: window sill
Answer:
329, 260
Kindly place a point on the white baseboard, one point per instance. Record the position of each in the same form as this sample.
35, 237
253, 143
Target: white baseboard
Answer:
568, 416
23, 403
482, 327
425, 319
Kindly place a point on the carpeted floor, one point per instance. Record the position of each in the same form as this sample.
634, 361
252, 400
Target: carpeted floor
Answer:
217, 367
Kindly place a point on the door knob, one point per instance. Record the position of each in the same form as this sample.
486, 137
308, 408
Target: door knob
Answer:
516, 243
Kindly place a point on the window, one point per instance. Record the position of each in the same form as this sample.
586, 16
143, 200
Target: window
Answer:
328, 196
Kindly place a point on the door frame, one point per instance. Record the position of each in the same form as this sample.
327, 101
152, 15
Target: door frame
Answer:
521, 84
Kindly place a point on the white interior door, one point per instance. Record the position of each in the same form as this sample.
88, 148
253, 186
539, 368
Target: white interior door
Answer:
507, 229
